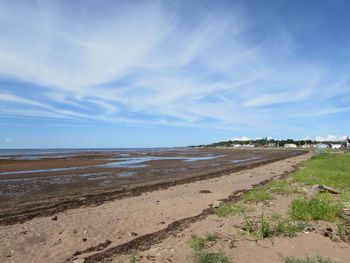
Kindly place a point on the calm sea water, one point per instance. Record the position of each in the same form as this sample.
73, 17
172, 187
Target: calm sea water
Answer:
31, 152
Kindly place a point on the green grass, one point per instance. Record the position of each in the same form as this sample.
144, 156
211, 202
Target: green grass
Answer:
315, 209
326, 169
200, 245
226, 209
317, 259
265, 230
288, 228
256, 195
280, 187
132, 259
209, 257
275, 225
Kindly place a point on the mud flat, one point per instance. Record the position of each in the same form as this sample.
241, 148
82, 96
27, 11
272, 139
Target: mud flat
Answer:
108, 225
47, 184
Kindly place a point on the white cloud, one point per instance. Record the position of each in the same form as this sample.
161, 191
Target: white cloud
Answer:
330, 138
243, 138
7, 140
146, 58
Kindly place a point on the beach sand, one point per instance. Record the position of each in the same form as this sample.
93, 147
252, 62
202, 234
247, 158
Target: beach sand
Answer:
103, 231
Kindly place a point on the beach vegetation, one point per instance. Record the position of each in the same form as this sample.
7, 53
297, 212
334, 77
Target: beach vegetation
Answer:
279, 186
315, 209
132, 258
227, 208
317, 259
201, 254
326, 169
257, 195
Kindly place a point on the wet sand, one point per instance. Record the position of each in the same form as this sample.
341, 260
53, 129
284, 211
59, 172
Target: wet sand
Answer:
30, 188
102, 233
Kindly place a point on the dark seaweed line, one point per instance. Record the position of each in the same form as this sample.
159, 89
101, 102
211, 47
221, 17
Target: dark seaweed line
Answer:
145, 242
41, 210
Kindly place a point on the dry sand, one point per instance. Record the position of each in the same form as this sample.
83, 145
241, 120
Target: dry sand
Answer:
119, 221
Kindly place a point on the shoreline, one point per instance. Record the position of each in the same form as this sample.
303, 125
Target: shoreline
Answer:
24, 212
122, 220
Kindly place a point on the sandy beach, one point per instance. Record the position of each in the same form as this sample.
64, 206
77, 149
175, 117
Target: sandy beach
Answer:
109, 232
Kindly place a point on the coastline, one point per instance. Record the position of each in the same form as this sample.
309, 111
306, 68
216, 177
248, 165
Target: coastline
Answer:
120, 221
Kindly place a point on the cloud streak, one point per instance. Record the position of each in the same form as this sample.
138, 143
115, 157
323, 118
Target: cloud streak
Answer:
158, 63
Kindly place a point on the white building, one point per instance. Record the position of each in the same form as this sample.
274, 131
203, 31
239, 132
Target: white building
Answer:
322, 146
336, 146
290, 145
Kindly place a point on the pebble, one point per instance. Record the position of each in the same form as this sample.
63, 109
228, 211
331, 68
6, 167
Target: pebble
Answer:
217, 204
79, 260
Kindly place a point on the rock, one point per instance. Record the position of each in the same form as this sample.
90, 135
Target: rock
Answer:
321, 188
54, 218
205, 192
79, 260
84, 239
133, 234
85, 232
217, 204
335, 238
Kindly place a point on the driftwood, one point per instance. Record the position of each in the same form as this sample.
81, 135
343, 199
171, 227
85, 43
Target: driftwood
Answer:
322, 188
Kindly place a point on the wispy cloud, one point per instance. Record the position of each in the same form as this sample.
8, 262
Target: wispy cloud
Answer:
158, 62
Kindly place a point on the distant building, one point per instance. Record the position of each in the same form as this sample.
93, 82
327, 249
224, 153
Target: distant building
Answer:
306, 146
236, 145
322, 146
272, 144
249, 145
290, 145
336, 146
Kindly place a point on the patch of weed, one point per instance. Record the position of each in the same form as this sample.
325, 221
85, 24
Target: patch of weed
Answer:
201, 255
132, 259
210, 257
256, 195
249, 224
317, 259
341, 230
197, 243
264, 228
287, 228
227, 208
315, 209
279, 186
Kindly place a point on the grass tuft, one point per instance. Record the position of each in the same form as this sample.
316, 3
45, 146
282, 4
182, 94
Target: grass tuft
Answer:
201, 255
317, 259
264, 228
256, 195
280, 187
226, 209
198, 243
315, 209
132, 258
209, 257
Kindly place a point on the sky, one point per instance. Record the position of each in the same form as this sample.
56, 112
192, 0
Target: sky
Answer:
172, 73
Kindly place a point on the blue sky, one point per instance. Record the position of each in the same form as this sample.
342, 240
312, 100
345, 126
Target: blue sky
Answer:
172, 73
